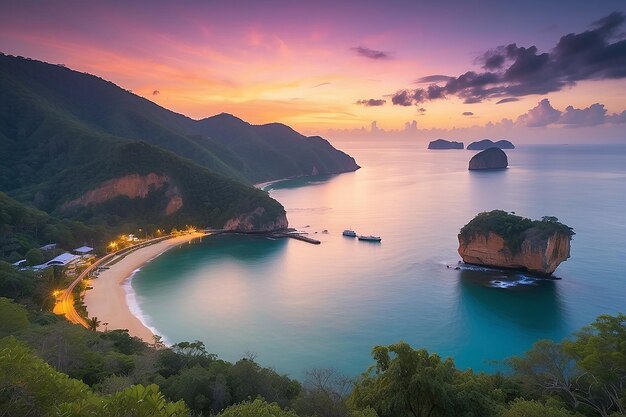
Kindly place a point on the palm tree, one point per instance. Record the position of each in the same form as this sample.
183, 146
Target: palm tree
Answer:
93, 323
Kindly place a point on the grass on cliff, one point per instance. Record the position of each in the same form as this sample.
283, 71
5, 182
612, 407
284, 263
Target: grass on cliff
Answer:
512, 227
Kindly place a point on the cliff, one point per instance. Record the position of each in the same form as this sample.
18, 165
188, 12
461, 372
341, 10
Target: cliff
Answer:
492, 158
445, 144
502, 240
256, 221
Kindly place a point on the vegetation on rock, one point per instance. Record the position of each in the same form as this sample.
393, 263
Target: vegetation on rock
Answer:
512, 227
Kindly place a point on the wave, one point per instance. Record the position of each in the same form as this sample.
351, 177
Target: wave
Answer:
132, 301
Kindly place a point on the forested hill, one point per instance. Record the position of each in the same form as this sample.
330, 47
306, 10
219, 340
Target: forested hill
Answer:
223, 143
54, 160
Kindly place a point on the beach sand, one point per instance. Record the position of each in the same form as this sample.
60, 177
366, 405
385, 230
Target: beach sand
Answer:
107, 299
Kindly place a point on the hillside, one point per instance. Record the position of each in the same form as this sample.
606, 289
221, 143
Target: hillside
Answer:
223, 143
60, 164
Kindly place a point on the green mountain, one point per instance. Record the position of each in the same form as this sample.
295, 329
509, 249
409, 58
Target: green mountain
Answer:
223, 143
58, 160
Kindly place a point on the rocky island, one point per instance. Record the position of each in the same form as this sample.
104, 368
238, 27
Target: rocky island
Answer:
487, 143
492, 158
504, 240
445, 144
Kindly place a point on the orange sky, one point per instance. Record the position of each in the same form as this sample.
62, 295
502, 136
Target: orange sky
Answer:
295, 63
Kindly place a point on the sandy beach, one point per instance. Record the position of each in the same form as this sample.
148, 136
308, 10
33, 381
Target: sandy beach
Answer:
107, 299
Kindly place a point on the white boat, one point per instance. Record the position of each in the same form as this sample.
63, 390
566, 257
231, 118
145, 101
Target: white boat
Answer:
370, 238
349, 233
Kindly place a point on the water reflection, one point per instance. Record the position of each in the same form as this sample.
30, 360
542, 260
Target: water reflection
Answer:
516, 298
244, 248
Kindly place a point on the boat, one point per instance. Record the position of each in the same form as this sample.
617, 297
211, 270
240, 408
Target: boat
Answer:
370, 238
349, 233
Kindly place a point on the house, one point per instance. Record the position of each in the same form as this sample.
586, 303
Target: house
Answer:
83, 250
63, 259
49, 247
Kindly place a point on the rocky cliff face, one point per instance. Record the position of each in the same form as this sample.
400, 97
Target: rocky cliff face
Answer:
255, 221
131, 186
492, 158
537, 254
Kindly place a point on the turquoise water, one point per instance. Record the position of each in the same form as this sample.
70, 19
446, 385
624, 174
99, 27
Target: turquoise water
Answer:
300, 306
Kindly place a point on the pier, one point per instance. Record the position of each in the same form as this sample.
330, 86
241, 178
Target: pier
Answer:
296, 236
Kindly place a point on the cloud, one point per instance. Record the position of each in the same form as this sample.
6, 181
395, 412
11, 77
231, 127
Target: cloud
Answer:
372, 102
541, 115
370, 53
590, 116
156, 92
617, 117
421, 110
320, 85
467, 113
433, 79
507, 100
511, 71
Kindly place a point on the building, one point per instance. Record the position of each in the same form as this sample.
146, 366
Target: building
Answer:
83, 250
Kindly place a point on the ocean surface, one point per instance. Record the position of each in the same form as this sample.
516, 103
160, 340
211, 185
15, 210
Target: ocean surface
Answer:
299, 306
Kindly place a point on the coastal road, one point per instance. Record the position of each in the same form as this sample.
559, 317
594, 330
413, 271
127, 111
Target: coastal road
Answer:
65, 302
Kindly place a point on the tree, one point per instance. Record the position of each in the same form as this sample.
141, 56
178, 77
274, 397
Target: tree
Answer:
532, 408
13, 317
406, 382
256, 408
34, 257
93, 323
589, 371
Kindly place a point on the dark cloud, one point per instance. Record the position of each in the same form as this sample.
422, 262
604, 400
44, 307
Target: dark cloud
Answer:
372, 102
467, 113
507, 100
156, 92
421, 110
512, 71
320, 85
370, 53
433, 79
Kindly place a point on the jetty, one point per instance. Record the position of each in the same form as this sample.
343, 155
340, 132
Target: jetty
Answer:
296, 236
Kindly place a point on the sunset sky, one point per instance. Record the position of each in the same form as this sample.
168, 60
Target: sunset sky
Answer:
337, 66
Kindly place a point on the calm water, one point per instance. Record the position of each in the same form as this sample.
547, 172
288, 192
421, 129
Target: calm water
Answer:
300, 306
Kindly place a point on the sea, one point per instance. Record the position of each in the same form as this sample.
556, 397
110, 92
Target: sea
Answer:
295, 306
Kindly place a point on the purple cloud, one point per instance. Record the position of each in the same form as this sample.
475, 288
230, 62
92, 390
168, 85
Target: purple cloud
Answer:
370, 53
541, 115
372, 102
515, 71
467, 113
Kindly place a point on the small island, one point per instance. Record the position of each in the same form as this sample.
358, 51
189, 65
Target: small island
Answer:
492, 158
445, 144
504, 240
487, 143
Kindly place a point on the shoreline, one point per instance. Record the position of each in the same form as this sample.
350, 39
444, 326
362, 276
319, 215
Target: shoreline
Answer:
110, 297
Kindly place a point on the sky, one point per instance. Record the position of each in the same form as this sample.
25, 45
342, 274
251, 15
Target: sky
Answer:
548, 69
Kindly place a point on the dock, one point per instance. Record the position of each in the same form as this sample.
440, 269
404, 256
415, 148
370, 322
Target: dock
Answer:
296, 236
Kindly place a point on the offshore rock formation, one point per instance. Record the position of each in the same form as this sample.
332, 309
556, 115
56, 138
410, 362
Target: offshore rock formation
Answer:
492, 158
254, 222
487, 143
445, 144
131, 186
502, 240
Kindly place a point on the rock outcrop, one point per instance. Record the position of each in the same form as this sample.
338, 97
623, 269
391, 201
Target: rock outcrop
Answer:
445, 144
255, 221
131, 186
492, 158
502, 240
487, 143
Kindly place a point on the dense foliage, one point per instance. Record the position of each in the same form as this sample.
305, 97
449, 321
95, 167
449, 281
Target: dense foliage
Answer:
512, 228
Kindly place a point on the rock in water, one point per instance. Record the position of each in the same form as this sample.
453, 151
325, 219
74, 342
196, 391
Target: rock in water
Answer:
445, 144
487, 143
502, 240
492, 158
